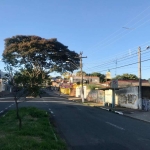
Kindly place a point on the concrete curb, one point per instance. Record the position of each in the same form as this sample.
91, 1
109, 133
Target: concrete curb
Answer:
109, 109
105, 108
119, 112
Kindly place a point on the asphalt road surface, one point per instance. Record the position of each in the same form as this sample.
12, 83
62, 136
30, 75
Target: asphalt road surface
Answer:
89, 128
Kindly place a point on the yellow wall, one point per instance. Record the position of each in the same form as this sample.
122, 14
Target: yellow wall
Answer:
65, 90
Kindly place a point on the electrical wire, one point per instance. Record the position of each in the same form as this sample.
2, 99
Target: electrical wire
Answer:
119, 59
106, 42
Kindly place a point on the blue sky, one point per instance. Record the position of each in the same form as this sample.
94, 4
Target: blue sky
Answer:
107, 32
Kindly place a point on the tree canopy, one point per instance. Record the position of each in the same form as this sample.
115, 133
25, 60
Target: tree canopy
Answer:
28, 51
35, 57
97, 74
126, 76
79, 73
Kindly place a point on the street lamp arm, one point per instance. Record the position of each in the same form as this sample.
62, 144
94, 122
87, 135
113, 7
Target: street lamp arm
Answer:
73, 64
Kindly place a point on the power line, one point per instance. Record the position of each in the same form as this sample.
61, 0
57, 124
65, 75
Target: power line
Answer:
126, 65
106, 42
124, 53
118, 60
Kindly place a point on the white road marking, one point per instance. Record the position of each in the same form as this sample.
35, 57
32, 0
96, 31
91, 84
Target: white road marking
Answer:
1, 111
115, 126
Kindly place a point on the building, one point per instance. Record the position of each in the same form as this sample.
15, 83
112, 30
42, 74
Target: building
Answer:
86, 79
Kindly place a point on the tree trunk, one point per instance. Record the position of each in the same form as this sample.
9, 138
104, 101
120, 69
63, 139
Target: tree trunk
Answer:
17, 112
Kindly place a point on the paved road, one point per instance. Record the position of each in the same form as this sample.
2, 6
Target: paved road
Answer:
5, 106
88, 128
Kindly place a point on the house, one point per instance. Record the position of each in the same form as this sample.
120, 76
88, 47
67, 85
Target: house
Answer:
125, 95
86, 79
127, 83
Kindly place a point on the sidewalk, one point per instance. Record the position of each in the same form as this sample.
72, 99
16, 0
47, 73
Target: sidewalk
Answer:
133, 113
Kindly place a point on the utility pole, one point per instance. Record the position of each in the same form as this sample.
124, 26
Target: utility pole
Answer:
81, 66
139, 72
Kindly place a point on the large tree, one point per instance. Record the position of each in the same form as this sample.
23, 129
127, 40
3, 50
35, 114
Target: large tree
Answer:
34, 55
34, 51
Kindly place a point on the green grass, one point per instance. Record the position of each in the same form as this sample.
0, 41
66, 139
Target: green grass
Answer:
36, 133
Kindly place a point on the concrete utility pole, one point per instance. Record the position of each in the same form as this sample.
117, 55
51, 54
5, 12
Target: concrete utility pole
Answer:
81, 66
139, 72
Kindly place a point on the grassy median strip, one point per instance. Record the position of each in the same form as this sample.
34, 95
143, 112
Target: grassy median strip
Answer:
36, 132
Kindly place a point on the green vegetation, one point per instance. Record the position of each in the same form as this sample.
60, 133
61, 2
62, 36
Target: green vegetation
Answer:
36, 132
34, 58
93, 86
97, 74
79, 73
126, 76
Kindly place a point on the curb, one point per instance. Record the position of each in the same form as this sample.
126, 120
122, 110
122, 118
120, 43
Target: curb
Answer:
117, 112
121, 113
104, 108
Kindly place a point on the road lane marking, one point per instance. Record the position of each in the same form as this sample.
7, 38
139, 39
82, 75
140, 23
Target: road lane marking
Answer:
115, 126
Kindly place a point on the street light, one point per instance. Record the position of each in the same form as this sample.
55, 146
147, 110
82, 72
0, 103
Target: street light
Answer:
82, 90
76, 67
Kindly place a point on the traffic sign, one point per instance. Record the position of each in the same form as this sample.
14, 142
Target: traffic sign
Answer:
114, 83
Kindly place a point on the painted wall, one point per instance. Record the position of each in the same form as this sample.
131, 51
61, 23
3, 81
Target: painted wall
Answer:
101, 97
78, 91
108, 97
96, 96
92, 96
128, 97
146, 104
146, 98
